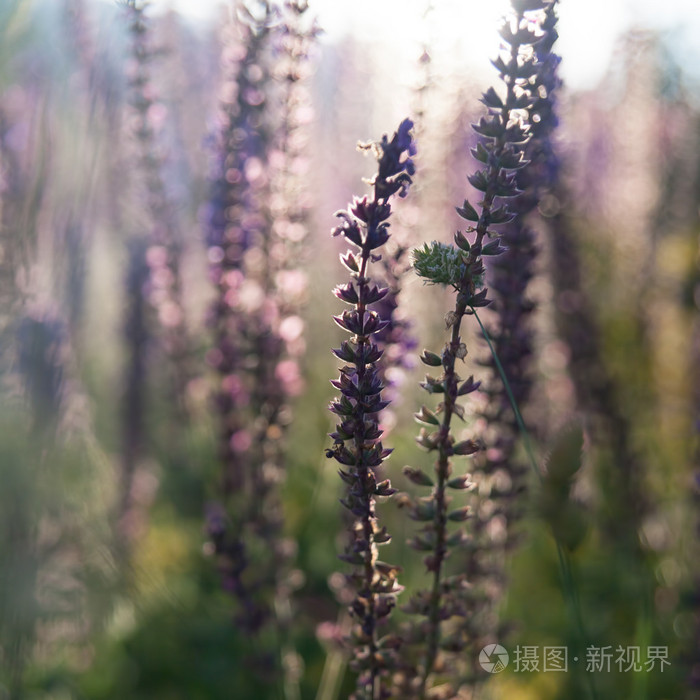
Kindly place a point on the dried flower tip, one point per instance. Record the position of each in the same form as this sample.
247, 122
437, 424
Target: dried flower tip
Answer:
461, 483
450, 319
425, 415
417, 476
467, 447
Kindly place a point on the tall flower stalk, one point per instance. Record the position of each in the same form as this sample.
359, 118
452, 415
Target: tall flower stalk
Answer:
693, 602
357, 445
31, 441
23, 186
164, 253
287, 225
692, 653
502, 138
596, 390
133, 409
154, 287
236, 223
256, 226
511, 334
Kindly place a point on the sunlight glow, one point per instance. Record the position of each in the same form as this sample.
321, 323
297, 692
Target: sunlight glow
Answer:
466, 30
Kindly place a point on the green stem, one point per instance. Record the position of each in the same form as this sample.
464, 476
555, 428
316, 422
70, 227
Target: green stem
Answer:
565, 566
442, 469
511, 398
334, 668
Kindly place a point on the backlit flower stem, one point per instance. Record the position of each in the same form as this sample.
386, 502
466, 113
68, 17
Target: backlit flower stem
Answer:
502, 135
367, 484
443, 471
511, 333
357, 445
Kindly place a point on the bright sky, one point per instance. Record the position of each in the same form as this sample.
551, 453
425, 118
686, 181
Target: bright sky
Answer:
587, 28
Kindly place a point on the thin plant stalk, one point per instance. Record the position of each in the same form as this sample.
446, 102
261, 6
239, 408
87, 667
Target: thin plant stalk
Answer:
503, 134
563, 558
357, 446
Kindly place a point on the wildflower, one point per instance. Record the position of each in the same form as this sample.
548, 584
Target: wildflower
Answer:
246, 351
503, 135
509, 275
357, 443
164, 289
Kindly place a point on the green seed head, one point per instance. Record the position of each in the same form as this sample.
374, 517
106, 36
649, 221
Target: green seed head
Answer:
439, 263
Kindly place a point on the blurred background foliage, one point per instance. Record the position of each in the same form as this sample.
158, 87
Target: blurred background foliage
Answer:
107, 585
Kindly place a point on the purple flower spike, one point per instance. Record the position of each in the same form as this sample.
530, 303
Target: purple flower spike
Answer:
356, 440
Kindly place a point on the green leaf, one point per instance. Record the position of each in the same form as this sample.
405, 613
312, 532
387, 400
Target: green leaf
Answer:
493, 248
461, 483
457, 539
420, 544
423, 510
460, 515
462, 242
481, 153
417, 476
432, 385
467, 211
571, 526
565, 458
431, 359
466, 447
428, 440
425, 415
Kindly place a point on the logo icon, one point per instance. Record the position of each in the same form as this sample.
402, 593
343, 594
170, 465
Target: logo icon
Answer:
493, 658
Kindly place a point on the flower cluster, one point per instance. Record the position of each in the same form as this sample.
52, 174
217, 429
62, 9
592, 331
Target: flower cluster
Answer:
290, 201
597, 391
357, 445
237, 223
164, 252
256, 222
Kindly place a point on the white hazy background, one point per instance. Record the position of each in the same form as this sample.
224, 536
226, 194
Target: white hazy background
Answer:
588, 29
